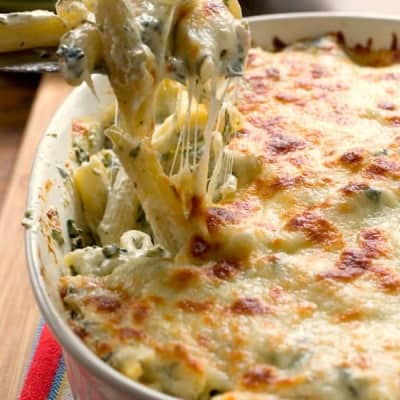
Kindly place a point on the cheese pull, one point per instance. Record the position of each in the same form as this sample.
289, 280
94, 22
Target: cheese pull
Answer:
141, 43
199, 43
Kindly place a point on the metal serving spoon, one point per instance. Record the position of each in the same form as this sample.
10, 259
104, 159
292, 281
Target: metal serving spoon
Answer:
30, 61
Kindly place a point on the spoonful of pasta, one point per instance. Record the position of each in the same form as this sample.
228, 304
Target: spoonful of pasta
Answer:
202, 44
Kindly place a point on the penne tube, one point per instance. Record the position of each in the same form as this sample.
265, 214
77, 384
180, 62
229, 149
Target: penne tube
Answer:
80, 51
28, 30
157, 196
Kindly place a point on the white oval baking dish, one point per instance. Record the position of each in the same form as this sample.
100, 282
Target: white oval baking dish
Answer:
91, 378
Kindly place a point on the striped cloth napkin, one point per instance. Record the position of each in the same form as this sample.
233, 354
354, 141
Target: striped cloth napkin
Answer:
45, 376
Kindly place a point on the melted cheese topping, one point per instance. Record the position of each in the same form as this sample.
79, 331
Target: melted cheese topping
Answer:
303, 301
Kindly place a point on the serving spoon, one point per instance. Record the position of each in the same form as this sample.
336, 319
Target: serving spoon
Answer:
30, 61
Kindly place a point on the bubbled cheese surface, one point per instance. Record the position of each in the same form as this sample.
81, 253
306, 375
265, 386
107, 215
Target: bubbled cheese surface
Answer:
312, 310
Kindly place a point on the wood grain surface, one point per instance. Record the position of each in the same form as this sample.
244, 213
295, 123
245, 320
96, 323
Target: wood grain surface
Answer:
19, 314
17, 93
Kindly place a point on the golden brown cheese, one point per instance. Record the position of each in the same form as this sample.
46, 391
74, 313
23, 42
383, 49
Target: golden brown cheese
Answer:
303, 303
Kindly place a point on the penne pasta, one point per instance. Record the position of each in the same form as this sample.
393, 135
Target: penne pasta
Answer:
29, 30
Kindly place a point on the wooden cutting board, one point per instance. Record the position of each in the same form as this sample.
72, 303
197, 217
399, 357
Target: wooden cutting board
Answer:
19, 314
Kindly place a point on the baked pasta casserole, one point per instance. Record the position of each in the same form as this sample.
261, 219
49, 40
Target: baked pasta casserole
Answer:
238, 237
292, 292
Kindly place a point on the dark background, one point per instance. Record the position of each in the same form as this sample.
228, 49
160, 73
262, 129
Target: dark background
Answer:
251, 7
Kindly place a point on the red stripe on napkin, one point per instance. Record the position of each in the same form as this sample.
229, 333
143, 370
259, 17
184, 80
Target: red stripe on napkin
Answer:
43, 367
